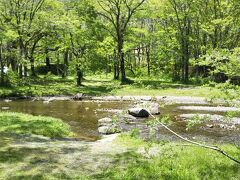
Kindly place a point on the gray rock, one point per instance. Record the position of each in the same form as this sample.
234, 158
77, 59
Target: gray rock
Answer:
211, 117
105, 122
152, 107
129, 117
138, 112
78, 96
210, 125
108, 129
236, 121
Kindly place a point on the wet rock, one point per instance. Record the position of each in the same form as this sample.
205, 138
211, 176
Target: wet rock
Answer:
236, 121
112, 98
154, 108
7, 100
210, 125
112, 129
107, 126
105, 122
143, 98
115, 111
128, 98
151, 107
228, 127
209, 117
78, 96
138, 112
129, 117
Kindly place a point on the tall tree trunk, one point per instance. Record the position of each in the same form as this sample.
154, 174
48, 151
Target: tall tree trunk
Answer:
121, 58
116, 66
66, 63
47, 60
2, 66
20, 59
148, 60
79, 75
25, 61
32, 67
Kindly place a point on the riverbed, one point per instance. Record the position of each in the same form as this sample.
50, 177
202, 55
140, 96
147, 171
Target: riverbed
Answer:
83, 117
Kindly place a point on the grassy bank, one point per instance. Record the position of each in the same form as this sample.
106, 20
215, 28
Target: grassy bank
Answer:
60, 160
37, 125
104, 85
175, 161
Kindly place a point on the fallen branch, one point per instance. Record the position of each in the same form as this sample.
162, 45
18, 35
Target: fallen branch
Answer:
215, 148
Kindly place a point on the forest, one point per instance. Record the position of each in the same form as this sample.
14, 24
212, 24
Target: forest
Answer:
119, 89
185, 40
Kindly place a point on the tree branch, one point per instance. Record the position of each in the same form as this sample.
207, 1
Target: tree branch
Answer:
196, 143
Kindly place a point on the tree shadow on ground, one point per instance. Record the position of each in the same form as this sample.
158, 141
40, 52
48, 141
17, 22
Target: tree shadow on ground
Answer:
97, 90
39, 160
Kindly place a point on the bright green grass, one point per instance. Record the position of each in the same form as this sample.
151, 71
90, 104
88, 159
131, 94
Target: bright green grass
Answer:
38, 125
104, 85
176, 161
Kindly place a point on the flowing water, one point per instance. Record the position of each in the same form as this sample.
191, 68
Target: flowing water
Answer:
82, 116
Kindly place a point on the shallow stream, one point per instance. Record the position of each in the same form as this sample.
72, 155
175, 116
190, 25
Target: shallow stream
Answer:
82, 116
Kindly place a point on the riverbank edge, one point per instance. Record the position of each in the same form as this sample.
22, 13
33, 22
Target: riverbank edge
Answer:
164, 99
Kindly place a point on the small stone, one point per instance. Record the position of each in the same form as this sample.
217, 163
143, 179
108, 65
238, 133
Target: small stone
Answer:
78, 96
5, 108
210, 126
222, 126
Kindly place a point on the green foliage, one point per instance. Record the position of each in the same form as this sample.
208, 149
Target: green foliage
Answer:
232, 114
176, 161
27, 124
166, 120
135, 133
196, 119
225, 91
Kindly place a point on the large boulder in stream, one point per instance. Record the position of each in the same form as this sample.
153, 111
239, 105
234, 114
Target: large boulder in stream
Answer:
138, 112
151, 107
